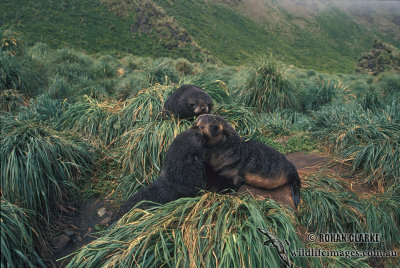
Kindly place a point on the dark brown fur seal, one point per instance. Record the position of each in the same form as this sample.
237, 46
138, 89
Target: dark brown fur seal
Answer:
242, 161
188, 101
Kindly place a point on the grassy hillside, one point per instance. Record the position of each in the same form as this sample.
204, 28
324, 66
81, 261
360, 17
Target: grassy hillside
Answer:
76, 126
86, 25
308, 36
325, 39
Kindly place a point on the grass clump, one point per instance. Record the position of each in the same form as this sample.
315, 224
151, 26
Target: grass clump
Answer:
146, 105
183, 66
268, 88
59, 88
319, 94
329, 208
107, 66
391, 88
18, 73
18, 237
40, 51
130, 85
132, 63
144, 146
284, 122
205, 231
10, 42
11, 100
369, 140
242, 119
378, 207
213, 85
39, 166
162, 71
43, 109
93, 119
66, 55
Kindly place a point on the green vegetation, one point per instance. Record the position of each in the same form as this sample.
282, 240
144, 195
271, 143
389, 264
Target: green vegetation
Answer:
39, 165
88, 25
17, 235
221, 227
92, 126
215, 32
368, 140
268, 88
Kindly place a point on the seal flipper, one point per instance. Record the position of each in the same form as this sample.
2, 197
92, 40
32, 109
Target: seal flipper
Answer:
295, 185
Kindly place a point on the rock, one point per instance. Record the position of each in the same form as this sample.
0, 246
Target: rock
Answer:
106, 221
59, 242
101, 212
69, 232
110, 213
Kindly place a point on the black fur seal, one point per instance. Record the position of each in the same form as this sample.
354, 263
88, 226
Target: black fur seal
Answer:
182, 174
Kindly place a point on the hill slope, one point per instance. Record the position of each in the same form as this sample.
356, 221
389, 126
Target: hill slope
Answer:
95, 27
308, 34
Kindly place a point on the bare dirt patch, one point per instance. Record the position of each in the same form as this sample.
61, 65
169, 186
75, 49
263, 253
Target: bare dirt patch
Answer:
91, 213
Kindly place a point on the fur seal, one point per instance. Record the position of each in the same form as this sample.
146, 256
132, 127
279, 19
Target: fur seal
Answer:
188, 101
242, 161
182, 174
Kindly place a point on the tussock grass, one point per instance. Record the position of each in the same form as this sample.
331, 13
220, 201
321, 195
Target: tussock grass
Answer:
328, 208
369, 140
351, 261
370, 100
66, 55
11, 100
268, 88
59, 88
146, 105
207, 231
43, 109
144, 146
130, 85
383, 206
131, 62
243, 119
19, 73
319, 93
39, 166
162, 71
284, 122
40, 51
92, 119
18, 237
213, 85
107, 66
10, 42
391, 88
71, 70
184, 66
